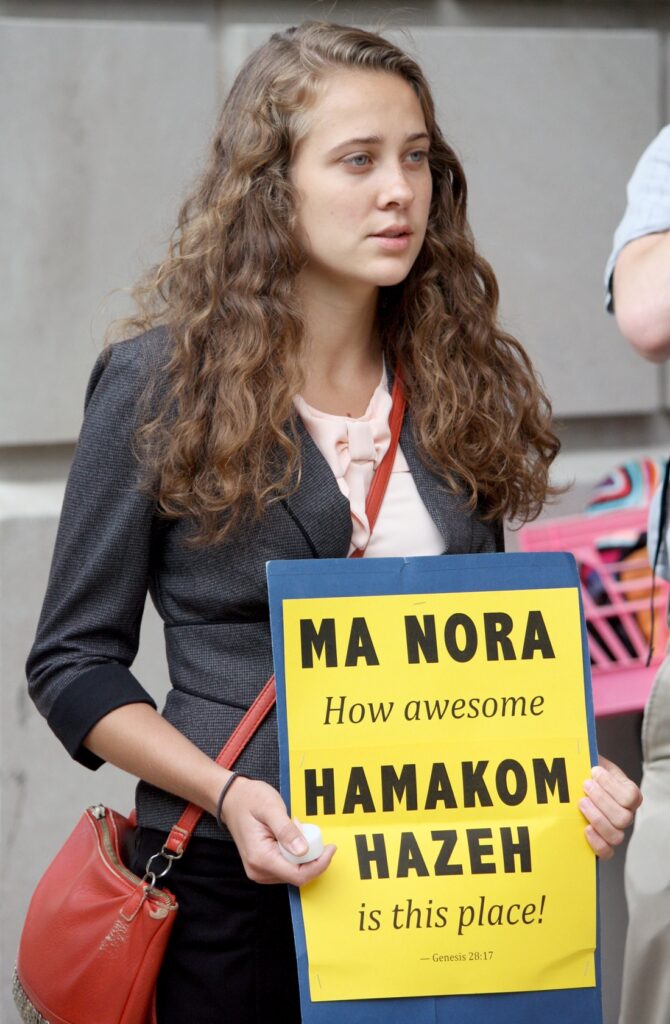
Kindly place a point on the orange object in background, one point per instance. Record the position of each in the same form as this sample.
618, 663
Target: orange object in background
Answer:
641, 593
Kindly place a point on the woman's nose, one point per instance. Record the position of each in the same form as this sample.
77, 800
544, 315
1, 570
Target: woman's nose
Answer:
395, 189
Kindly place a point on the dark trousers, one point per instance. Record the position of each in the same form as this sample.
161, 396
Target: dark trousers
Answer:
231, 955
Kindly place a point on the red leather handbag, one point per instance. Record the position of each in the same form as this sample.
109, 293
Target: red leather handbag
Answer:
95, 933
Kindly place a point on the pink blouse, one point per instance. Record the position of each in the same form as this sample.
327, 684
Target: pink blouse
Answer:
353, 447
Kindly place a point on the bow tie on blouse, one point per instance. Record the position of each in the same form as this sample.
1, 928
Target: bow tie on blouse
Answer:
353, 448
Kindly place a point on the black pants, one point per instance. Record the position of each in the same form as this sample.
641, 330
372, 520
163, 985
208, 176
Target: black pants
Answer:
231, 956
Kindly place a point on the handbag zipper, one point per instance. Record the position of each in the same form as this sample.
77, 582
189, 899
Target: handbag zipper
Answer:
99, 812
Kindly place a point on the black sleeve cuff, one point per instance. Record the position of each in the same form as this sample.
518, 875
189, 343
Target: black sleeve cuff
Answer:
87, 699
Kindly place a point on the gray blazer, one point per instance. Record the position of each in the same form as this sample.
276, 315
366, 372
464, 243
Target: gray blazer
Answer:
112, 548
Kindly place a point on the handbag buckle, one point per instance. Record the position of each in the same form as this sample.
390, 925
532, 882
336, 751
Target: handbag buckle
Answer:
151, 875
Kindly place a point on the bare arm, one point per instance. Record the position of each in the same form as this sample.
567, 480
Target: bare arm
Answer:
642, 295
136, 738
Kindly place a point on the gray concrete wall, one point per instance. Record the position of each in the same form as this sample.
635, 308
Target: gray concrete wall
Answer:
106, 108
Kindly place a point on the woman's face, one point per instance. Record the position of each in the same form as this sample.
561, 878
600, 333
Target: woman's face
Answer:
363, 181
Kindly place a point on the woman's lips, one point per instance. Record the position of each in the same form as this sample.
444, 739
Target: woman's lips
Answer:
393, 243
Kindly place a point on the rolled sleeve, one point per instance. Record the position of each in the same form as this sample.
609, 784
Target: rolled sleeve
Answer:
648, 203
87, 699
87, 637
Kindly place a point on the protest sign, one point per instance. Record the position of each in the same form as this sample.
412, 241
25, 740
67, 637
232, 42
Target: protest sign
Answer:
434, 721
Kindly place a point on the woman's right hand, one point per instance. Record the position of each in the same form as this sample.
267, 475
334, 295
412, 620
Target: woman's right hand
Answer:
255, 815
136, 738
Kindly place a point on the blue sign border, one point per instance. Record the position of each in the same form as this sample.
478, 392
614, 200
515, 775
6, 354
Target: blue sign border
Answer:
334, 577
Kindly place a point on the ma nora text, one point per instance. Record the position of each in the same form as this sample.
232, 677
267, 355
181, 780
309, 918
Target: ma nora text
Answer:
337, 644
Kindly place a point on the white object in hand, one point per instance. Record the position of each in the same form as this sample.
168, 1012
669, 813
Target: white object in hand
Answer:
312, 834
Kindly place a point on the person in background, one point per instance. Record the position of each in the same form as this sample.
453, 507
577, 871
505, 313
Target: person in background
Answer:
637, 282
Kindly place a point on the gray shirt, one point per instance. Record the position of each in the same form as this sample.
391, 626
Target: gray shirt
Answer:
648, 208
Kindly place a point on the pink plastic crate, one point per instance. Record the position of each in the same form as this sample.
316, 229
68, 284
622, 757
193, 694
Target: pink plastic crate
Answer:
618, 644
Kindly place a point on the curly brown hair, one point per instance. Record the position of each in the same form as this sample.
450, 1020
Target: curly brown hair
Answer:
223, 441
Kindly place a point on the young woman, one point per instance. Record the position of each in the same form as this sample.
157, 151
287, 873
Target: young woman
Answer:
325, 248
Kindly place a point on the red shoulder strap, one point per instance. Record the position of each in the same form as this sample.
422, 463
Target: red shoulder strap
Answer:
181, 833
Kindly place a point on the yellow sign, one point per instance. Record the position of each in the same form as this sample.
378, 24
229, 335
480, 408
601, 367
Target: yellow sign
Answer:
440, 741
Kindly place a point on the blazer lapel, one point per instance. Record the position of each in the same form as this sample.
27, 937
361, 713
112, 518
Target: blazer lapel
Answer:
318, 507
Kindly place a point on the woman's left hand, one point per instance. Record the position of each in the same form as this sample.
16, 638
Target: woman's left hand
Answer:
609, 806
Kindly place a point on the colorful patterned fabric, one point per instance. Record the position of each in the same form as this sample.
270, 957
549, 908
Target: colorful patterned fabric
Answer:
630, 485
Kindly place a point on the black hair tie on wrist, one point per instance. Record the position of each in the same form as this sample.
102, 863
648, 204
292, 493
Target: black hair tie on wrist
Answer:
219, 803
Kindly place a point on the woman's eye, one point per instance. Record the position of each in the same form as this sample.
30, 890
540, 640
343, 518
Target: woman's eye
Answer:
358, 160
417, 156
